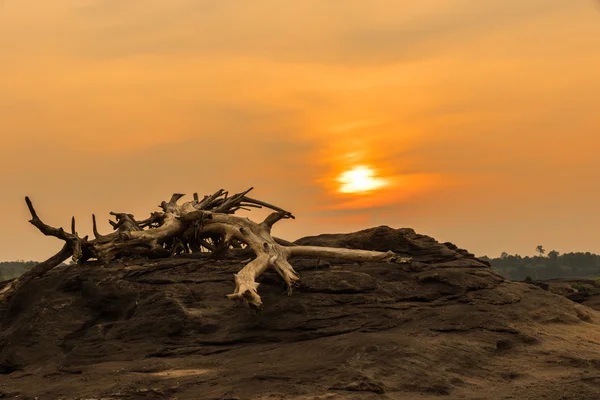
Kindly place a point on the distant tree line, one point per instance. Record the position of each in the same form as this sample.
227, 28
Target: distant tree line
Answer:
515, 267
546, 266
12, 269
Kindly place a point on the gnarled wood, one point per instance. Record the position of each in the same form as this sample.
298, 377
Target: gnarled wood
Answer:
35, 272
205, 225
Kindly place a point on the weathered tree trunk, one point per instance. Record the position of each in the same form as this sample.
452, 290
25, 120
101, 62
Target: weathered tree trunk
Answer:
199, 225
35, 272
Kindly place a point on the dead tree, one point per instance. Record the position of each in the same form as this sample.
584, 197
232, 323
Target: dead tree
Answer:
207, 224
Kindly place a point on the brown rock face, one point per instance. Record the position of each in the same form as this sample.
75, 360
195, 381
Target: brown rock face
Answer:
447, 325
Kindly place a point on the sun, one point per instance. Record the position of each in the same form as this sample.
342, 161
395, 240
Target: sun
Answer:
360, 179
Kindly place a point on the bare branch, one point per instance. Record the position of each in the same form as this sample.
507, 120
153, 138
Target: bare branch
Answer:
283, 242
125, 222
267, 205
334, 253
175, 197
95, 227
46, 229
203, 205
36, 272
75, 243
231, 202
273, 218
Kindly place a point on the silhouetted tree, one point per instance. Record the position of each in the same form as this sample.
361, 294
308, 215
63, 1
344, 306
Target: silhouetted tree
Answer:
540, 249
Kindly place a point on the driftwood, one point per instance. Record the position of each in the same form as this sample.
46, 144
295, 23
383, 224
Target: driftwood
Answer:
200, 225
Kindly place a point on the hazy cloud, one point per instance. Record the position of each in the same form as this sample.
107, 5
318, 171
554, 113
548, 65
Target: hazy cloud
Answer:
305, 32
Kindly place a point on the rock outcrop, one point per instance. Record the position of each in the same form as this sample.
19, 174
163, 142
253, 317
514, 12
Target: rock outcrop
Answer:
445, 325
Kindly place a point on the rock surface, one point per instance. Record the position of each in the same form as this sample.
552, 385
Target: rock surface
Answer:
446, 326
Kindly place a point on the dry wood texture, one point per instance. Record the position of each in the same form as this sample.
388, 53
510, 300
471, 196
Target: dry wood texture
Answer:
207, 224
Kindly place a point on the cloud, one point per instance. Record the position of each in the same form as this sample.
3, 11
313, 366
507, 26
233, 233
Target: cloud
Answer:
353, 32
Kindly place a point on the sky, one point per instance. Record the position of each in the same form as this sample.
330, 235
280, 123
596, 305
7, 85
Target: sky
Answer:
480, 119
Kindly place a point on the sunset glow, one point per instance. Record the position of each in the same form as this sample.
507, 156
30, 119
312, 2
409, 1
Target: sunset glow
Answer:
455, 118
360, 179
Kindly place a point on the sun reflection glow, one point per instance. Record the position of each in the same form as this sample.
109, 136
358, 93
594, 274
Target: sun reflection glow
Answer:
360, 179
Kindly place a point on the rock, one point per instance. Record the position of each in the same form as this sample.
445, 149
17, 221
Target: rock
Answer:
446, 325
578, 297
541, 285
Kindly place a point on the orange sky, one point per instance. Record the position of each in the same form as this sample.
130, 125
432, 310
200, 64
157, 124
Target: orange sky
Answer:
483, 115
